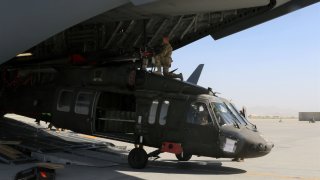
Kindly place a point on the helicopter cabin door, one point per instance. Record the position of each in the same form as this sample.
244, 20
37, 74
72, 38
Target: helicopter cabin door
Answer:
201, 134
115, 115
73, 109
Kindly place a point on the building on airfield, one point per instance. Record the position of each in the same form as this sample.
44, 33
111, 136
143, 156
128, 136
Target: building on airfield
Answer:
309, 116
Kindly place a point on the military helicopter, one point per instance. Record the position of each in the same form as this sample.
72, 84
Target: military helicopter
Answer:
125, 103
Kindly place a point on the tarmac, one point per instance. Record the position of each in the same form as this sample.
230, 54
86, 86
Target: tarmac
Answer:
296, 155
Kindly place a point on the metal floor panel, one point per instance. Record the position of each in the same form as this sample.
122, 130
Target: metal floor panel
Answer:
40, 143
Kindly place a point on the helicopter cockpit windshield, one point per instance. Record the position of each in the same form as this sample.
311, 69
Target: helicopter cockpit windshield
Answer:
236, 113
227, 114
232, 106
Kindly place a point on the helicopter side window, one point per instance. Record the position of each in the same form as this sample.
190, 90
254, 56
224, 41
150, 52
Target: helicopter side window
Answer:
163, 113
83, 103
198, 114
64, 100
153, 112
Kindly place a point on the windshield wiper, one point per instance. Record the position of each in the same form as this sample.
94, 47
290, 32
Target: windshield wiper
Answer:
236, 124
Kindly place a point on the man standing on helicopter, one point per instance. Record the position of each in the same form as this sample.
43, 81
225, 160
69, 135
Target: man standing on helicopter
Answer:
163, 59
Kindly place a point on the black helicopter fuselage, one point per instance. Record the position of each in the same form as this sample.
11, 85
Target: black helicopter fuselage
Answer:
126, 104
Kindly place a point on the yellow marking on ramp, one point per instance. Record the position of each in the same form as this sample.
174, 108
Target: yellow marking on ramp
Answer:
87, 136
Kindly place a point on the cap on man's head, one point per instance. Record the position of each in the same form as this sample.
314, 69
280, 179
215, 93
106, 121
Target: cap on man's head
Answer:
165, 38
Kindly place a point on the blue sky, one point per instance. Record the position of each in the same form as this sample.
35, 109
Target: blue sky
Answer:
274, 66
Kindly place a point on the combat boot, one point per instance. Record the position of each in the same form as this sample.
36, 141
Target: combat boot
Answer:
179, 76
174, 76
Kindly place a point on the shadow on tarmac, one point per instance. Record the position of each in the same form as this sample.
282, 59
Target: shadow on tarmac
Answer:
213, 167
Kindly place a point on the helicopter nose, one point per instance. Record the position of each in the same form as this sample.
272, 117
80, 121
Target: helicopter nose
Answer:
263, 148
249, 143
260, 149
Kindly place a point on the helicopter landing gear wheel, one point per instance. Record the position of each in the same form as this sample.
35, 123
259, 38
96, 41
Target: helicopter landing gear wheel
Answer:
183, 156
138, 158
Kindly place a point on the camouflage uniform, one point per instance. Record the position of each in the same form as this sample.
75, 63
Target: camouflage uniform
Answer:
164, 58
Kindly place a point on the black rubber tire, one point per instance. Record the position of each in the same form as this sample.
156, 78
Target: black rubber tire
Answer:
138, 158
184, 156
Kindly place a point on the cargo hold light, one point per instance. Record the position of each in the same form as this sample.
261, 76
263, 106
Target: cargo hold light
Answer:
24, 55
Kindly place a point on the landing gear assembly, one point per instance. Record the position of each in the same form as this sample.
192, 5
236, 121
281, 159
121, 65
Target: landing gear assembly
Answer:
138, 158
183, 156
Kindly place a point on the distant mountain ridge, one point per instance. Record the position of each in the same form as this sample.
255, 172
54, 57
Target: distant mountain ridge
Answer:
272, 111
